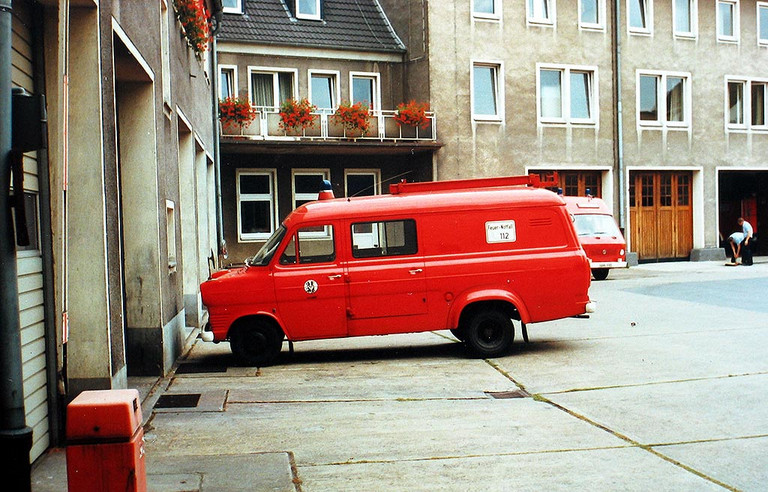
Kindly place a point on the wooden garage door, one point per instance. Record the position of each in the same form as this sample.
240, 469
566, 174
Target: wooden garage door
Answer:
29, 259
661, 214
577, 183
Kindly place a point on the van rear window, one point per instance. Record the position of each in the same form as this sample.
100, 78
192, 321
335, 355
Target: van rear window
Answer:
388, 238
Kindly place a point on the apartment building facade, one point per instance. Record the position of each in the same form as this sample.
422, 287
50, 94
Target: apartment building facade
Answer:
331, 53
655, 105
120, 199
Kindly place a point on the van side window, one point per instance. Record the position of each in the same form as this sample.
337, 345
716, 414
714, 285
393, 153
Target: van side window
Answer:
305, 246
390, 238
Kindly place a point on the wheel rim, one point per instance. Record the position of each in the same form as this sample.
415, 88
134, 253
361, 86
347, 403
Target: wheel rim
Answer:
490, 333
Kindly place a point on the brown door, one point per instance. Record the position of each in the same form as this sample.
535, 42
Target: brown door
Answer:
660, 214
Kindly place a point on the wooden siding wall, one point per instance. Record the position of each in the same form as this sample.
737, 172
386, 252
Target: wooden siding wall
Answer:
29, 262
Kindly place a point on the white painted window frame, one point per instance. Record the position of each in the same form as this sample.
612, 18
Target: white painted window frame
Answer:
589, 26
233, 68
639, 31
498, 65
694, 33
271, 198
274, 71
335, 93
758, 6
531, 20
326, 174
565, 95
661, 101
746, 102
170, 229
376, 77
736, 22
234, 10
318, 6
495, 16
375, 172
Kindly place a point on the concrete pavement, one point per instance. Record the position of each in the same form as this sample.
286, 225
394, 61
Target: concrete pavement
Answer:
663, 388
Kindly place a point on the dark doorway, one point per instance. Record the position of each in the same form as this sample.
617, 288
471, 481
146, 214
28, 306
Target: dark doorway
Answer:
743, 194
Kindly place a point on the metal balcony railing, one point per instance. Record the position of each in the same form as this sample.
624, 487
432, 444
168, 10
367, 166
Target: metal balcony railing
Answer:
383, 127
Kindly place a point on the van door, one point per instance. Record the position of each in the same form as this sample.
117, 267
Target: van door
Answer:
309, 285
387, 281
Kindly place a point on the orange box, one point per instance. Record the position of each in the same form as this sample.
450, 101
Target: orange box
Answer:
105, 448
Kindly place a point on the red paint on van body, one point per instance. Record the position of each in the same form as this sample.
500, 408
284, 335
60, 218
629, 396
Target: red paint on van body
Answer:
509, 244
598, 233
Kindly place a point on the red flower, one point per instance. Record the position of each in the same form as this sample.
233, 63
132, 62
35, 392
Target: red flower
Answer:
194, 17
297, 114
413, 114
236, 110
353, 117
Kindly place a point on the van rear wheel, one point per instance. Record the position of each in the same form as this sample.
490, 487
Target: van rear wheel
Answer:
600, 273
459, 334
489, 333
256, 343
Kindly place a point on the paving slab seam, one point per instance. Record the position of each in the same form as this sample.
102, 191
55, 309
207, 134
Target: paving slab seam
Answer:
466, 456
655, 383
297, 482
645, 447
704, 441
360, 400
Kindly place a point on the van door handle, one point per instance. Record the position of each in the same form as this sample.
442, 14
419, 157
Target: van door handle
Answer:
334, 277
415, 271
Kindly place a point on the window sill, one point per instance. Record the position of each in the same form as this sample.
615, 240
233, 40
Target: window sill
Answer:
540, 23
568, 124
686, 36
487, 119
252, 239
486, 18
641, 33
752, 130
592, 27
663, 126
727, 40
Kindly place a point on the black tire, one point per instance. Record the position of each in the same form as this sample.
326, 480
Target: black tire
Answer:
459, 334
600, 273
256, 344
489, 333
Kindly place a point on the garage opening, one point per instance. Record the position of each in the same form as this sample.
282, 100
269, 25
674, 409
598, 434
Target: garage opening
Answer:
743, 194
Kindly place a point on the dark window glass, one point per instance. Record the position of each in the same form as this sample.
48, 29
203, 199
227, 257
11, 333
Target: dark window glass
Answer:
361, 184
255, 218
649, 98
391, 238
30, 208
307, 183
306, 247
647, 190
683, 189
665, 190
254, 184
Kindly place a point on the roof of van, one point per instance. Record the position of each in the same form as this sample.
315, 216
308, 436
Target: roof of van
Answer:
580, 205
411, 203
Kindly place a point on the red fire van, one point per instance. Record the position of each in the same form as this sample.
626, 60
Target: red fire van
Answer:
598, 233
470, 256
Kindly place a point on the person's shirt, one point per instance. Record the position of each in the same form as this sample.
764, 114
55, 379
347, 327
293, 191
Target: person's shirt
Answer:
737, 237
746, 227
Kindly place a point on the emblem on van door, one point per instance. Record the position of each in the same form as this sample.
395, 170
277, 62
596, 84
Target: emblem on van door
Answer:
310, 286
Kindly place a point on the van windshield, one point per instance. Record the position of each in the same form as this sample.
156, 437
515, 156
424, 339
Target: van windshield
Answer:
268, 250
596, 225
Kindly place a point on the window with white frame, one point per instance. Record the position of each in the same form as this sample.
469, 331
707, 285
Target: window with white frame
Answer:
307, 184
762, 23
308, 9
165, 51
663, 99
685, 17
362, 182
323, 90
728, 21
486, 9
541, 11
256, 204
232, 6
592, 15
567, 94
364, 88
269, 88
487, 91
170, 231
227, 81
640, 16
746, 101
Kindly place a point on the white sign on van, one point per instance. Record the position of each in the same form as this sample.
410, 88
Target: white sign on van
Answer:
500, 231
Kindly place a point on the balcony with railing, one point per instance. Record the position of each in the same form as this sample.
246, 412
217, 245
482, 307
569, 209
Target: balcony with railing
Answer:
382, 127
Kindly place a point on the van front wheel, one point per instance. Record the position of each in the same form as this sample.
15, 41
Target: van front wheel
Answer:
256, 344
489, 333
600, 273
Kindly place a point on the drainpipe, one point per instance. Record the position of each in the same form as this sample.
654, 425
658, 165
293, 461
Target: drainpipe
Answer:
619, 125
217, 14
15, 436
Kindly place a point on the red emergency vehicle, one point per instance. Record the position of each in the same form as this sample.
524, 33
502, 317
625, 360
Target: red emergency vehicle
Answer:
598, 234
470, 256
